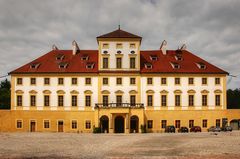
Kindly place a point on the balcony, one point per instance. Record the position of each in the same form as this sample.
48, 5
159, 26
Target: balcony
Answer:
119, 105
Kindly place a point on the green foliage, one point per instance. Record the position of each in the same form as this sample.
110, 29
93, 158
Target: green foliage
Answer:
96, 130
233, 99
143, 128
5, 94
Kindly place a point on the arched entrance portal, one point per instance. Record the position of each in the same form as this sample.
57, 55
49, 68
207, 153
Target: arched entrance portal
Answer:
134, 122
104, 124
119, 124
234, 124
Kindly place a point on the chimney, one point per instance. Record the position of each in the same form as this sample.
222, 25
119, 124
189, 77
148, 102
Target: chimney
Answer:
183, 47
75, 47
163, 47
54, 47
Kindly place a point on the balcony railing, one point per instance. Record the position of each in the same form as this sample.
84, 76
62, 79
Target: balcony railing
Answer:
119, 105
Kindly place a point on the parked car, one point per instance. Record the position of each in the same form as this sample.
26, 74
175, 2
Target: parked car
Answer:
227, 128
170, 129
183, 129
214, 129
195, 129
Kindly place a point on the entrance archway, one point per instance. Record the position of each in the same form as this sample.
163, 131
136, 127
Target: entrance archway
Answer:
234, 124
104, 124
119, 124
134, 122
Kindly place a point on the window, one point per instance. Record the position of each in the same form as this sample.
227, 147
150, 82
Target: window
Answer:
132, 100
164, 100
119, 52
74, 100
163, 81
105, 100
119, 46
60, 100
46, 124
19, 100
88, 100
190, 81
60, 57
105, 46
175, 65
177, 123
90, 65
60, 81
46, 81
164, 124
88, 124
33, 81
74, 81
19, 124
132, 81
149, 80
46, 100
63, 65
204, 81
201, 65
105, 81
132, 62
132, 46
105, 52
119, 100
218, 122
204, 123
149, 100
132, 52
148, 65
119, 62
153, 57
119, 81
105, 62
150, 124
217, 100
178, 58
204, 100
32, 100
177, 81
74, 124
190, 100
217, 81
85, 57
191, 123
19, 81
177, 100
88, 81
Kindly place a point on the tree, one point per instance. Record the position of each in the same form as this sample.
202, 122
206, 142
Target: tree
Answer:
5, 94
233, 99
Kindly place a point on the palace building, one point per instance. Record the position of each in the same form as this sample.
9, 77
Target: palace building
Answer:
118, 88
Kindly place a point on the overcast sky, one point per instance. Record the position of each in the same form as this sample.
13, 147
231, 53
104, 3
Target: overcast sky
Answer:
209, 28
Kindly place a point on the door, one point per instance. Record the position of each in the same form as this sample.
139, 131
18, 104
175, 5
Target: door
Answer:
60, 126
32, 126
119, 124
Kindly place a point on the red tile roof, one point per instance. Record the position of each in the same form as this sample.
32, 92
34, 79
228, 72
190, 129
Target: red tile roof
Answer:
119, 34
50, 64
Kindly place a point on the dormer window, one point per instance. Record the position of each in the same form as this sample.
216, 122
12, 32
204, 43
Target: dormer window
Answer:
119, 52
63, 65
90, 65
105, 52
175, 65
132, 52
119, 46
60, 57
105, 46
178, 58
34, 65
201, 65
153, 57
148, 65
84, 57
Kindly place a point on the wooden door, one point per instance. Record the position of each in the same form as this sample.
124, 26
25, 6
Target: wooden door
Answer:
60, 126
33, 126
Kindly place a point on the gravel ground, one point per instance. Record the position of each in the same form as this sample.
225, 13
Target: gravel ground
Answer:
164, 146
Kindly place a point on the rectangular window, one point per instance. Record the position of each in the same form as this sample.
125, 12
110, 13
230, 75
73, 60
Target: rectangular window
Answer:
149, 100
190, 100
74, 81
132, 81
32, 100
119, 81
204, 81
46, 124
119, 62
133, 100
60, 100
204, 100
204, 123
150, 124
47, 81
177, 100
164, 124
218, 122
119, 100
164, 100
19, 81
190, 81
217, 81
105, 81
149, 80
60, 81
132, 46
74, 100
88, 124
105, 62
88, 100
32, 81
88, 81
177, 123
163, 81
132, 62
46, 100
177, 81
105, 46
217, 100
119, 46
191, 123
74, 124
105, 100
19, 124
19, 100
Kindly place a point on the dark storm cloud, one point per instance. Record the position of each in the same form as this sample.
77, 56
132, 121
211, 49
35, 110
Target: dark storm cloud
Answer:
210, 28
